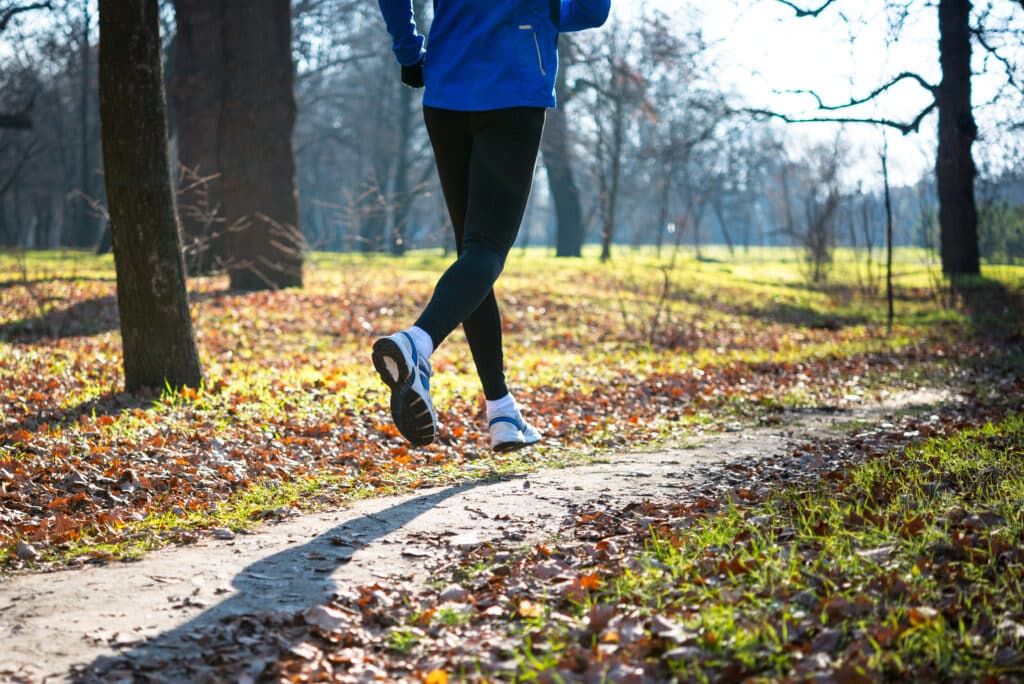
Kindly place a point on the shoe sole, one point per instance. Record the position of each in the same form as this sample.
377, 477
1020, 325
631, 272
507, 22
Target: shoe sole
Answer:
417, 426
508, 447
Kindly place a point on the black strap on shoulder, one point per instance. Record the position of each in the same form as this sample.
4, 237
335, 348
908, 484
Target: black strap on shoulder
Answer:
556, 12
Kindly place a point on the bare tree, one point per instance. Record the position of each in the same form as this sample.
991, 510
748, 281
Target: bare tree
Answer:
197, 94
558, 162
156, 328
951, 98
808, 200
86, 227
7, 13
234, 95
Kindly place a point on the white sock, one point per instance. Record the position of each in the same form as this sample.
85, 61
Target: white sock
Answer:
506, 406
421, 338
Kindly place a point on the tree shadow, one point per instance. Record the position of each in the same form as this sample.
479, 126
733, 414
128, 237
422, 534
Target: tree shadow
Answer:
20, 282
81, 319
995, 311
803, 316
109, 404
285, 582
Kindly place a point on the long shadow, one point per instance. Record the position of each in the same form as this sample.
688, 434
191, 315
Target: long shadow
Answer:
81, 319
802, 316
84, 318
20, 282
287, 581
110, 404
994, 310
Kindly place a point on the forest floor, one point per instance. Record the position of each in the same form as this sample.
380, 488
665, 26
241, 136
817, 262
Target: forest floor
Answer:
157, 615
723, 491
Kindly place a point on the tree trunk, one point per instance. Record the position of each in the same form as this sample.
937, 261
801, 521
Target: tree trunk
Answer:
402, 197
156, 329
87, 233
197, 92
719, 209
889, 296
258, 191
954, 169
402, 193
618, 142
558, 163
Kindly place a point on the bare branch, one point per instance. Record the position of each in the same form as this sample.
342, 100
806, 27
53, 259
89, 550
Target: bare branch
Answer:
904, 127
1007, 65
802, 12
905, 76
11, 12
326, 66
26, 155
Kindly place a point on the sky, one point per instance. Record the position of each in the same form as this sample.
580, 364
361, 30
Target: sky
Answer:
761, 49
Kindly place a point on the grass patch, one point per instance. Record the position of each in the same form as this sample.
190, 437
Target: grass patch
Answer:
909, 566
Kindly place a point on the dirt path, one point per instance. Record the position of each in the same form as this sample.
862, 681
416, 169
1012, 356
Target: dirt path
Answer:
54, 621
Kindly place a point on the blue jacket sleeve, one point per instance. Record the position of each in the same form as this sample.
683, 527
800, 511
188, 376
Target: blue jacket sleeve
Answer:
406, 43
578, 15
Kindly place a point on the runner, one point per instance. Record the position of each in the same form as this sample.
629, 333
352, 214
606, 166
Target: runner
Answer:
489, 72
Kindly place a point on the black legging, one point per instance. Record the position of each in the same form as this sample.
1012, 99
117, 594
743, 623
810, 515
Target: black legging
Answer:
485, 161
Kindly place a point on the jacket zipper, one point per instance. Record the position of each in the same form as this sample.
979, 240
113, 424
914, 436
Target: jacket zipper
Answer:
536, 44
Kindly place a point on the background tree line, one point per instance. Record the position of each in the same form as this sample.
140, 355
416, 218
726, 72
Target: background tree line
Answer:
646, 149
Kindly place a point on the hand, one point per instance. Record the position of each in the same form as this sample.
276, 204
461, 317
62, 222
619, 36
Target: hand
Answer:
412, 76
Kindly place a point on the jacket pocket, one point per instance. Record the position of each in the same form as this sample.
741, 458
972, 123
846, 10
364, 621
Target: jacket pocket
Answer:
536, 44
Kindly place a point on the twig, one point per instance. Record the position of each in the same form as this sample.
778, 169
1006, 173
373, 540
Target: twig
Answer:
904, 127
801, 12
10, 12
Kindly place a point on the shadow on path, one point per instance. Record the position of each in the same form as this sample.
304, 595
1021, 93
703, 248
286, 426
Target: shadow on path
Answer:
285, 582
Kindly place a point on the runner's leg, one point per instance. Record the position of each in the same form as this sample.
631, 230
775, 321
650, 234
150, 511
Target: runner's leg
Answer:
502, 150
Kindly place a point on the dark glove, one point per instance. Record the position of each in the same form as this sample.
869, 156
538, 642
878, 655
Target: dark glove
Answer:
412, 76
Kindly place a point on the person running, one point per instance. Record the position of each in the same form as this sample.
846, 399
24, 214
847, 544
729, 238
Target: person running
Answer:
488, 68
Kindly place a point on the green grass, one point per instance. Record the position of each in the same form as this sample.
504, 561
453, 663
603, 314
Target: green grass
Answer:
915, 560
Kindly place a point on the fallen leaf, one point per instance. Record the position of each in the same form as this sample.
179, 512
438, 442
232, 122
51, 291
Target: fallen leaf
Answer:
326, 618
529, 609
920, 615
26, 551
436, 677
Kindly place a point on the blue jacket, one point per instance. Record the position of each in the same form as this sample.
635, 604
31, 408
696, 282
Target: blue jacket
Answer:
489, 54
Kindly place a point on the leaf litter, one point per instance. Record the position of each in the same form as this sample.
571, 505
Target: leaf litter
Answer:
288, 401
737, 584
86, 470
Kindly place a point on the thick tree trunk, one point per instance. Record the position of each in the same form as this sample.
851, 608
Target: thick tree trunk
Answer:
197, 91
156, 330
558, 162
955, 170
255, 154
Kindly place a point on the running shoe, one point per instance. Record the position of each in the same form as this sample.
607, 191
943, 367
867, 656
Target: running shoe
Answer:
408, 375
509, 433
